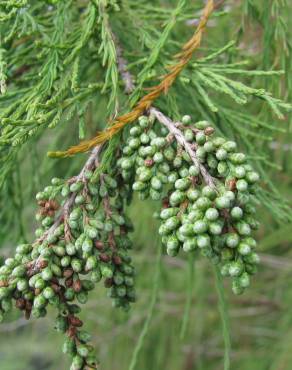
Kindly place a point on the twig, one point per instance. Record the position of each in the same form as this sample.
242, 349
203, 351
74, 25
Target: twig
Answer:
89, 165
122, 68
171, 126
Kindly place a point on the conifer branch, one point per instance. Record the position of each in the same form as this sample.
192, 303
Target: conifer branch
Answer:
208, 168
206, 189
90, 165
183, 58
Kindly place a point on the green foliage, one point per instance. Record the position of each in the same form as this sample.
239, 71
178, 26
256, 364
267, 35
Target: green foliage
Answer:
60, 81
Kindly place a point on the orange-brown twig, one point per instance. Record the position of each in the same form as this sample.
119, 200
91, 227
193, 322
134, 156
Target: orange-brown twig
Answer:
146, 101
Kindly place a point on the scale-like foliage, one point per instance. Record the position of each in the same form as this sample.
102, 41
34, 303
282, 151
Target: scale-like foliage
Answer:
69, 67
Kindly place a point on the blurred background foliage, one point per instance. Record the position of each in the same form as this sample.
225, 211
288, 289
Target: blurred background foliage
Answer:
261, 319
